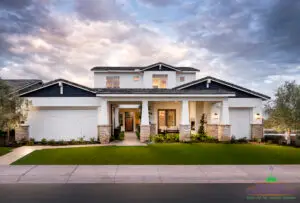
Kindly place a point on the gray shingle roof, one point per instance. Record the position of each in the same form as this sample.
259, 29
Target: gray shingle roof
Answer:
221, 81
156, 91
139, 68
18, 84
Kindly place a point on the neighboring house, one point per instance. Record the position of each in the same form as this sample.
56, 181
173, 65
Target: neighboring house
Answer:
159, 98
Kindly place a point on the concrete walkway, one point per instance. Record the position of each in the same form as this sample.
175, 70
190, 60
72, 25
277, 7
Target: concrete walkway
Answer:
130, 139
148, 174
20, 152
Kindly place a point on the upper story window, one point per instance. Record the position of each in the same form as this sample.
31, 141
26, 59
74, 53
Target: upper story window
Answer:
112, 81
136, 78
182, 78
159, 81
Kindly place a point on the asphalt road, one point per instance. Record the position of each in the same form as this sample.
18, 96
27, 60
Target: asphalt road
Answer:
136, 193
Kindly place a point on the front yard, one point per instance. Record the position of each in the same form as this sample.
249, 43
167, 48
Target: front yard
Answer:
4, 150
169, 154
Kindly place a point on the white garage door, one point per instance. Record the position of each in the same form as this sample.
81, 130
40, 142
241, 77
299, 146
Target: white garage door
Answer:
62, 124
240, 122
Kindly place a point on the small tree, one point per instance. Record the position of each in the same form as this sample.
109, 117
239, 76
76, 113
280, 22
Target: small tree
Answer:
284, 110
11, 109
201, 130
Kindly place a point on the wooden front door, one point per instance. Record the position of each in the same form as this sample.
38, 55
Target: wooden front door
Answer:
128, 121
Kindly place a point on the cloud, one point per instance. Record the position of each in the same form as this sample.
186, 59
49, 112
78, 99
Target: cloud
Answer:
160, 3
103, 10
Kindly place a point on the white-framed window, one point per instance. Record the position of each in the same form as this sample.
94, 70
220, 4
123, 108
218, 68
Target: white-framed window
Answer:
112, 81
182, 78
136, 78
159, 81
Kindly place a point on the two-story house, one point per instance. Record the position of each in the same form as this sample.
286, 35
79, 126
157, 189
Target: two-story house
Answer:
155, 99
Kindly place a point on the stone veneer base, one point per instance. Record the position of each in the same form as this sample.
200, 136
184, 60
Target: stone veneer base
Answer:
257, 131
22, 133
212, 130
153, 129
145, 133
185, 133
104, 133
224, 132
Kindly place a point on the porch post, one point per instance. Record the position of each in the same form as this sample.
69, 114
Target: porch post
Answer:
117, 124
104, 129
185, 126
145, 126
224, 133
257, 129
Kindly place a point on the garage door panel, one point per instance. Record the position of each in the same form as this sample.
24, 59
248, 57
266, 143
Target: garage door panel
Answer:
240, 122
63, 124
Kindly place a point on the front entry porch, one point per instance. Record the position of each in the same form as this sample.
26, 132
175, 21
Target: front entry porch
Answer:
150, 117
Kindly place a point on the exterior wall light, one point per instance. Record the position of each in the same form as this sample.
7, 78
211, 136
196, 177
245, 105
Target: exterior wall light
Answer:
257, 116
216, 116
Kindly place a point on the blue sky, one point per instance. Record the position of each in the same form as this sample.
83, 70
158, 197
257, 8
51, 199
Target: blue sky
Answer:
251, 43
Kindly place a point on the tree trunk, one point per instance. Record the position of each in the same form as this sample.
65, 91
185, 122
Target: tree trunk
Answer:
8, 135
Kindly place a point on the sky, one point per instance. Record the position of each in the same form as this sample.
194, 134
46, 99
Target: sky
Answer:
252, 43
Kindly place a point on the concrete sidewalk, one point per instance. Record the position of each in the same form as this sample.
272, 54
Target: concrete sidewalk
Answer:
148, 174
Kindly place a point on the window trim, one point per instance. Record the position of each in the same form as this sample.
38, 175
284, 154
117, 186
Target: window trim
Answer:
166, 76
181, 77
166, 117
113, 76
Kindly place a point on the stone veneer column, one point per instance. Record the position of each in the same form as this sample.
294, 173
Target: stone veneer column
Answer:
104, 129
22, 133
153, 129
185, 126
145, 126
257, 131
212, 130
224, 133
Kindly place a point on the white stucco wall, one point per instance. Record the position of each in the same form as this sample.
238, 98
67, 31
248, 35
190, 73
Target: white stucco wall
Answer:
126, 80
148, 78
188, 77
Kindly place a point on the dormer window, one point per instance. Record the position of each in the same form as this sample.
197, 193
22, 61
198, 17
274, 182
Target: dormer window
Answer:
182, 78
136, 78
112, 82
159, 81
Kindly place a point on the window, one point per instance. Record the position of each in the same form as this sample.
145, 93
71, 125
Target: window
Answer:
167, 118
182, 78
112, 81
136, 78
159, 81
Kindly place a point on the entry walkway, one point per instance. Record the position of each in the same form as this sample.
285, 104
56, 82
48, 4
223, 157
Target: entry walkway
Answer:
130, 139
150, 174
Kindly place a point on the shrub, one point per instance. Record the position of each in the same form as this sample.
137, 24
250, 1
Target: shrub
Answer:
81, 140
73, 142
158, 138
233, 140
171, 137
61, 142
201, 127
51, 142
44, 141
274, 139
93, 140
242, 140
137, 134
121, 135
30, 142
202, 138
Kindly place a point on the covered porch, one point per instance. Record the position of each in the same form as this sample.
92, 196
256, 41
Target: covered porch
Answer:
173, 114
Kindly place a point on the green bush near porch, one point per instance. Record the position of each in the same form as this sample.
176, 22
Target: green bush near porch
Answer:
166, 154
174, 137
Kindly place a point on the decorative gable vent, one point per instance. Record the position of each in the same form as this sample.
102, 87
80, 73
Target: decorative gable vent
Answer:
207, 83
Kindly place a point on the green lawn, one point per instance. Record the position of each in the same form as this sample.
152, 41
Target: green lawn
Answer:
167, 154
4, 150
